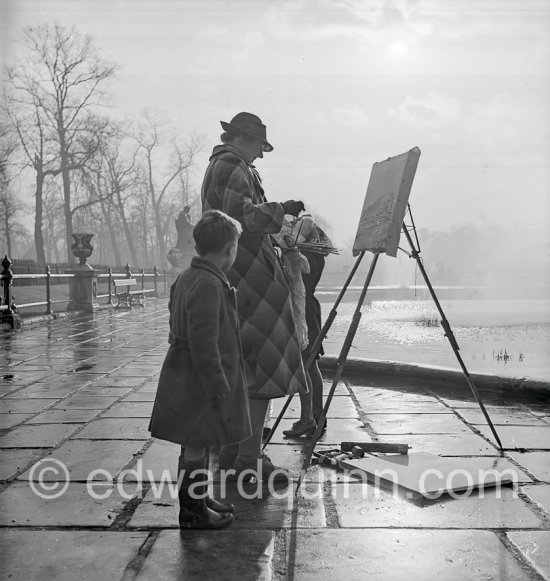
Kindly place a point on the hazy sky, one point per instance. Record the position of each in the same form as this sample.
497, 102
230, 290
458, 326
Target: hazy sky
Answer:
342, 84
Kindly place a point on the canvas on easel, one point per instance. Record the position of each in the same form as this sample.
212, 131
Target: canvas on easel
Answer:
386, 203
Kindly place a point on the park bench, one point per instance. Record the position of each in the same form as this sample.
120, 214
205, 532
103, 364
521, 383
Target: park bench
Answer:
124, 296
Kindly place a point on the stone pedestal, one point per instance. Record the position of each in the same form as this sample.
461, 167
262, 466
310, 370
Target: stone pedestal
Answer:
84, 282
81, 289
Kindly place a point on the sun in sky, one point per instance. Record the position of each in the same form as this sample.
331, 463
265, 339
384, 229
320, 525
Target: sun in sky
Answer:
399, 49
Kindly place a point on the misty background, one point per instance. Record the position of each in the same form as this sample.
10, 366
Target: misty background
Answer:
340, 86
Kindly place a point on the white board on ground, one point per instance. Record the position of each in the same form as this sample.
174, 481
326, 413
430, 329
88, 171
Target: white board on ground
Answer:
427, 474
386, 203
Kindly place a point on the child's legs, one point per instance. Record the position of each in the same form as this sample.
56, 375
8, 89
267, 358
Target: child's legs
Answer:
192, 480
252, 448
316, 390
306, 414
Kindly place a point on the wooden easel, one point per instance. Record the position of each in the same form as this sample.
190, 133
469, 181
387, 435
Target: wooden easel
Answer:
341, 361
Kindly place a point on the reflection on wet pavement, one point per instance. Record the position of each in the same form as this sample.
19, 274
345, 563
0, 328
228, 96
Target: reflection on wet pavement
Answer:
79, 391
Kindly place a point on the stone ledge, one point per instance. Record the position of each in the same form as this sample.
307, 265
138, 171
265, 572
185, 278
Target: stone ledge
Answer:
444, 377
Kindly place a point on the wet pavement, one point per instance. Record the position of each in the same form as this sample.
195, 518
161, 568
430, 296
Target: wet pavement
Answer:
86, 494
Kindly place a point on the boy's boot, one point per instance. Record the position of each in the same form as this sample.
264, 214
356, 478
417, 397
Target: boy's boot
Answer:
194, 513
210, 502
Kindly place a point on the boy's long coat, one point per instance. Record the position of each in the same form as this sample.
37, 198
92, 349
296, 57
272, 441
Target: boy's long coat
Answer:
201, 397
272, 354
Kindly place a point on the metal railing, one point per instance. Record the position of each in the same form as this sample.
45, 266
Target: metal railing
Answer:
7, 277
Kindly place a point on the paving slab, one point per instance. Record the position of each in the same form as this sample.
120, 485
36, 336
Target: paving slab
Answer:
399, 555
82, 457
528, 437
536, 463
460, 444
12, 379
13, 460
126, 409
385, 406
114, 380
36, 436
67, 555
21, 506
140, 395
23, 406
501, 417
363, 505
149, 387
539, 493
460, 403
9, 420
341, 388
499, 464
87, 401
116, 429
100, 366
60, 416
539, 410
367, 396
158, 462
341, 407
338, 431
257, 507
138, 371
47, 391
535, 548
417, 423
93, 389
201, 555
78, 378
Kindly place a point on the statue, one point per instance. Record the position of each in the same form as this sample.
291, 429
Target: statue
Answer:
180, 256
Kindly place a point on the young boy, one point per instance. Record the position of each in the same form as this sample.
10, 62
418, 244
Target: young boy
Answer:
201, 398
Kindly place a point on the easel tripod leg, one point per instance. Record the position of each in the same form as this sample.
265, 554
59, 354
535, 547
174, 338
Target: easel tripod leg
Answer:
340, 364
449, 334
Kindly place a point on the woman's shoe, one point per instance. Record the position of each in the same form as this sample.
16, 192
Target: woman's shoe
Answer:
301, 428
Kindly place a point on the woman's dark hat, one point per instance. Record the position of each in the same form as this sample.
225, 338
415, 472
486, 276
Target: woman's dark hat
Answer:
250, 125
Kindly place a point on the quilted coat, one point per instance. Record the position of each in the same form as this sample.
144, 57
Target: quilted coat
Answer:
201, 398
272, 354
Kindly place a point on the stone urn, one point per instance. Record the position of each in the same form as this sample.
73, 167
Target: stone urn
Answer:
82, 246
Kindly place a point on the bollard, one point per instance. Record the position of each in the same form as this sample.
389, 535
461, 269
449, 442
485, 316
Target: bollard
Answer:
110, 283
48, 291
9, 312
156, 281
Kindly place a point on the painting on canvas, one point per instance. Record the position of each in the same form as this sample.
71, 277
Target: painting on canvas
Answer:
386, 203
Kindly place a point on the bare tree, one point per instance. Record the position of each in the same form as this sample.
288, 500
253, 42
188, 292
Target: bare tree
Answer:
11, 205
115, 175
62, 80
161, 179
25, 117
54, 247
